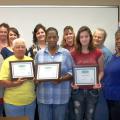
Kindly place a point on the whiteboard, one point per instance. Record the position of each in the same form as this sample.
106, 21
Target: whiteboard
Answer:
25, 18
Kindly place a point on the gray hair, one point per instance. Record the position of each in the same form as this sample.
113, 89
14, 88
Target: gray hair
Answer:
101, 30
18, 40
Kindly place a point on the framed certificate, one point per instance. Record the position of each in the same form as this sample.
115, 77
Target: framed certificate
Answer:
21, 69
85, 75
48, 71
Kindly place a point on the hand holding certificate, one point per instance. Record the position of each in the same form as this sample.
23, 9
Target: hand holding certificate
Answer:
85, 75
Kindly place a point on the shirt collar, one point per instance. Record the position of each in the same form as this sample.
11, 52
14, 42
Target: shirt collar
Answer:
58, 51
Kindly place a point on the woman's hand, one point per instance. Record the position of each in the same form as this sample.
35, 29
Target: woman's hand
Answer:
74, 86
97, 86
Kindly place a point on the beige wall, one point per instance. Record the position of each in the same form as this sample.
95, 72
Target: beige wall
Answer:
61, 2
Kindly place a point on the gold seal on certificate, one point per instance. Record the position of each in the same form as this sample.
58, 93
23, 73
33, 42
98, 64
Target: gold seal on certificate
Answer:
85, 75
48, 71
21, 69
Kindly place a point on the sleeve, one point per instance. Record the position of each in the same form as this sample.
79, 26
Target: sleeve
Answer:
5, 71
98, 53
73, 55
108, 56
3, 53
36, 59
69, 63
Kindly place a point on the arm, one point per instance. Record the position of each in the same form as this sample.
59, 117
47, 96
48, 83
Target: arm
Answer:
67, 69
100, 71
100, 67
66, 77
10, 83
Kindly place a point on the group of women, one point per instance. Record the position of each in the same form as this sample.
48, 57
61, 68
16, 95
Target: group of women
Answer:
60, 100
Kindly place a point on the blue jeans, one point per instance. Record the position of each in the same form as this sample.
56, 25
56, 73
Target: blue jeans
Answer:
51, 111
1, 109
69, 115
84, 102
101, 112
25, 110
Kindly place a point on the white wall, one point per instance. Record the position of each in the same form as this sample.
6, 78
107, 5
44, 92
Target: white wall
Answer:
24, 18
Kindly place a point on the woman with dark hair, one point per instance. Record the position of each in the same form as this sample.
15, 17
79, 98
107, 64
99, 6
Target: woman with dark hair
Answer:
39, 36
12, 35
85, 97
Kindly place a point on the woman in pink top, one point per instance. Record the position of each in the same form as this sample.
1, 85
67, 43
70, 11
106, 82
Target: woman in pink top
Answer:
85, 97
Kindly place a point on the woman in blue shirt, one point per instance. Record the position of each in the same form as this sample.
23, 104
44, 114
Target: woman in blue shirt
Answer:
112, 82
53, 97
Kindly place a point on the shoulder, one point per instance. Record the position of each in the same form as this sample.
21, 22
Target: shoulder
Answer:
74, 52
4, 49
98, 51
7, 60
106, 50
64, 51
27, 58
41, 51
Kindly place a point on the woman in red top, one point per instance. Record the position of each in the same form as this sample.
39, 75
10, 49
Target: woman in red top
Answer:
85, 97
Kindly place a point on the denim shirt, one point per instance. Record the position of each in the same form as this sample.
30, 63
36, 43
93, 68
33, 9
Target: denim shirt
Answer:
48, 92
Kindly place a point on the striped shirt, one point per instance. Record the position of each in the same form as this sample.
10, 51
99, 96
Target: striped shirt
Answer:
48, 92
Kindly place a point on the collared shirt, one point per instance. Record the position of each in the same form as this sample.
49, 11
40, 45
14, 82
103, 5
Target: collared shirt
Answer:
48, 92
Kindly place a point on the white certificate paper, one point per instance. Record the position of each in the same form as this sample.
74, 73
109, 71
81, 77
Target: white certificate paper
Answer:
22, 70
85, 75
48, 71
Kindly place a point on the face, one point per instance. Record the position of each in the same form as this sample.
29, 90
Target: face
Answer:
98, 38
52, 39
117, 41
12, 36
69, 37
19, 50
3, 33
40, 35
84, 38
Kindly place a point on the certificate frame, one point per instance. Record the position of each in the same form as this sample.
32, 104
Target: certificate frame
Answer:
85, 75
22, 65
42, 69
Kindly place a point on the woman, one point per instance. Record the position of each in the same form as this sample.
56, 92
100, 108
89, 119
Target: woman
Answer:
112, 82
68, 41
12, 35
4, 28
19, 95
53, 97
85, 97
39, 36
